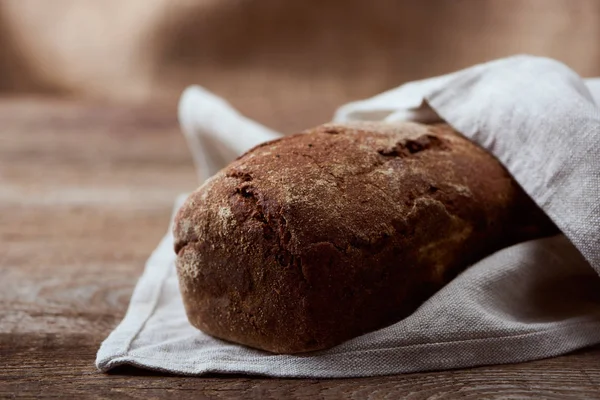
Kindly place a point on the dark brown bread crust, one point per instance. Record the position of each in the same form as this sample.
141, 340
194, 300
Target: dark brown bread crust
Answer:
307, 241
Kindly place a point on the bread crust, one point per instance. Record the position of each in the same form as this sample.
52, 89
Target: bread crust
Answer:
316, 238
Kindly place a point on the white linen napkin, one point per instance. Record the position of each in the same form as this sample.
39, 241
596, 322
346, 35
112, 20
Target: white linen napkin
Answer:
532, 300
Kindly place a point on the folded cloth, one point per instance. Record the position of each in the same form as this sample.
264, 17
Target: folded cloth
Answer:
533, 300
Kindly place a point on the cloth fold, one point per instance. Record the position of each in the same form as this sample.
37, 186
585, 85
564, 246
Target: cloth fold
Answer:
532, 300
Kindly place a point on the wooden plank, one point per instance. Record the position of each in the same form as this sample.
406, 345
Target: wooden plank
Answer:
61, 365
85, 195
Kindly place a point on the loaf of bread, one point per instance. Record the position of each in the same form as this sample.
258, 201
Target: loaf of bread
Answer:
310, 240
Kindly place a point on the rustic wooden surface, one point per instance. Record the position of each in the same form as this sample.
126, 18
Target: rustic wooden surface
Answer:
85, 195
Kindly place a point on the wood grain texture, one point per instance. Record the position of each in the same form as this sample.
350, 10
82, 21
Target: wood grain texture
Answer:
85, 195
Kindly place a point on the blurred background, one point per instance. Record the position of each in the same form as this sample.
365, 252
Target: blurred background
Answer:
275, 57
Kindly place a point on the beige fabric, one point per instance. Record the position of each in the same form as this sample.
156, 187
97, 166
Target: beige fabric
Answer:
533, 300
287, 63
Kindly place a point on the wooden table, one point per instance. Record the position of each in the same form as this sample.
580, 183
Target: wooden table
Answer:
85, 195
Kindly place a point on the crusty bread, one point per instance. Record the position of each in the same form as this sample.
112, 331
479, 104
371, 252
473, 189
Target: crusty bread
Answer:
313, 239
